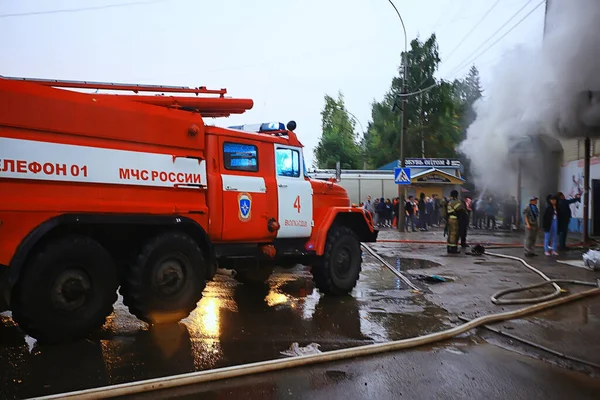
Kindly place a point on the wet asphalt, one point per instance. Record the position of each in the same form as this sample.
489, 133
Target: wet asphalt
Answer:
236, 324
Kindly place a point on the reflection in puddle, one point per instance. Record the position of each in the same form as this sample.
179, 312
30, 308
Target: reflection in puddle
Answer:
233, 324
274, 298
204, 320
404, 264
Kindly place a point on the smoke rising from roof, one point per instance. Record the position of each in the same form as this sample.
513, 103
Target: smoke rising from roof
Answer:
548, 90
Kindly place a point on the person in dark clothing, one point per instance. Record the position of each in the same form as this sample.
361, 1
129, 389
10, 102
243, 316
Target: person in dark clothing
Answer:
422, 216
530, 215
388, 213
480, 214
436, 210
380, 210
409, 210
429, 211
564, 212
550, 225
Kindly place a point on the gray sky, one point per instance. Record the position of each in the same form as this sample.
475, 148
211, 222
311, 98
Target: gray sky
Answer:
284, 54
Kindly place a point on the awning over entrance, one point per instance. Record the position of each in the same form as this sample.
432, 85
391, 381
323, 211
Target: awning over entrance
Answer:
436, 176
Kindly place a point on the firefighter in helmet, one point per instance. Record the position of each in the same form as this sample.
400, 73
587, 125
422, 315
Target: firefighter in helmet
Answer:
455, 208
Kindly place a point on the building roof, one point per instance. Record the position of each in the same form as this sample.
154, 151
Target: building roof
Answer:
435, 175
389, 166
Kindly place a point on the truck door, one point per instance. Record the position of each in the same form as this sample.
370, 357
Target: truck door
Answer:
295, 203
245, 202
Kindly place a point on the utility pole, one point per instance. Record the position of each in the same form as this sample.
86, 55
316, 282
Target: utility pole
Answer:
403, 121
586, 189
422, 134
403, 126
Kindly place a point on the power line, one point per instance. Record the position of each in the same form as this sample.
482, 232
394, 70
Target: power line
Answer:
461, 65
472, 29
72, 10
501, 37
465, 37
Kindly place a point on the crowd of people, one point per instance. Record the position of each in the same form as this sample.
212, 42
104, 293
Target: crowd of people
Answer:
419, 214
555, 223
459, 214
486, 210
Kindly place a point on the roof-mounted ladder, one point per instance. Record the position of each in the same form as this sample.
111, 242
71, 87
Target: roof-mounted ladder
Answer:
207, 106
119, 86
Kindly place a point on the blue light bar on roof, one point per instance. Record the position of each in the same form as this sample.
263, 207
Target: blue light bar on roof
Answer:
272, 126
257, 128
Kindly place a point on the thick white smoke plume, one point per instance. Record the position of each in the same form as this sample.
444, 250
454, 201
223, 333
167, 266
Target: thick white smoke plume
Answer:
547, 90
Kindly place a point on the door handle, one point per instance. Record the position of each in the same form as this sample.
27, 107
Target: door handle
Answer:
230, 188
281, 185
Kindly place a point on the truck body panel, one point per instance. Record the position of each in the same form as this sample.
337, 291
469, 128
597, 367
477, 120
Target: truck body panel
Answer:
127, 176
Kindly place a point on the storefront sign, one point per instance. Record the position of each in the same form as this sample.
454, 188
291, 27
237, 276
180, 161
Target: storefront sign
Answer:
431, 162
433, 178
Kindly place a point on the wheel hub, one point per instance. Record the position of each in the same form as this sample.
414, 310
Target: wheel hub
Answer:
71, 289
169, 277
342, 262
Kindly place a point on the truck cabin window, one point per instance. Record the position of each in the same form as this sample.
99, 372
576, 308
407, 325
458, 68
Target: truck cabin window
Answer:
240, 157
288, 162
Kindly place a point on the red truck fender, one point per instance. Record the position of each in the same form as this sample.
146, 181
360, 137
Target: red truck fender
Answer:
357, 219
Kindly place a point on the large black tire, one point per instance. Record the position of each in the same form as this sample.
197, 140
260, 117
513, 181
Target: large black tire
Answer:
66, 290
254, 276
167, 279
337, 271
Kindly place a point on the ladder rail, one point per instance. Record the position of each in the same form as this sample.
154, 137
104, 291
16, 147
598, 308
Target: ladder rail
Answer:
119, 86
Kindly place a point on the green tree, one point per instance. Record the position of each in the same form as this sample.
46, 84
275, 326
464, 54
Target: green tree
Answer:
432, 116
338, 140
468, 91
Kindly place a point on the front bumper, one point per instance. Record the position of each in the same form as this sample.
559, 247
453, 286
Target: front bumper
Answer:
371, 236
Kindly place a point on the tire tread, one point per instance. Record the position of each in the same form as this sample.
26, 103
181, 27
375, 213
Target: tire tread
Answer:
132, 290
322, 271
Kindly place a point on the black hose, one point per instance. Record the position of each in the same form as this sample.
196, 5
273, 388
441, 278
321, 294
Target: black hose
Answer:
536, 345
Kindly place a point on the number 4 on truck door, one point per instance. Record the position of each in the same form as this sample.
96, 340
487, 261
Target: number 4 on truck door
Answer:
297, 204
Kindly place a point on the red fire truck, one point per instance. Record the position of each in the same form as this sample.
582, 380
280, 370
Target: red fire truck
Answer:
135, 192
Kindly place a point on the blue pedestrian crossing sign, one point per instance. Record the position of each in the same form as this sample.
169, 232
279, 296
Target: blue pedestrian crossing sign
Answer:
402, 176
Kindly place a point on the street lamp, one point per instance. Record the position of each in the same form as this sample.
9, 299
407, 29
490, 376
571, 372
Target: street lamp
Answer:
403, 120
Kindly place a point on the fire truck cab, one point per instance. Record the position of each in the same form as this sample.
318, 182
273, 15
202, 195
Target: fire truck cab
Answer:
136, 193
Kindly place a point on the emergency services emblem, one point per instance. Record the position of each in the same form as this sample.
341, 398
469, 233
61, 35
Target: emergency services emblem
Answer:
245, 206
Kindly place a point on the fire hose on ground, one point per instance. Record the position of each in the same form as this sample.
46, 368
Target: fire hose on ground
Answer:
489, 245
193, 378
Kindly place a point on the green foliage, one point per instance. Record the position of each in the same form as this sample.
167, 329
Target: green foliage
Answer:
338, 140
433, 117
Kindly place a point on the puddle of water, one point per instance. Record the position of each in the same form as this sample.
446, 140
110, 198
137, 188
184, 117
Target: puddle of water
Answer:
233, 324
404, 264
